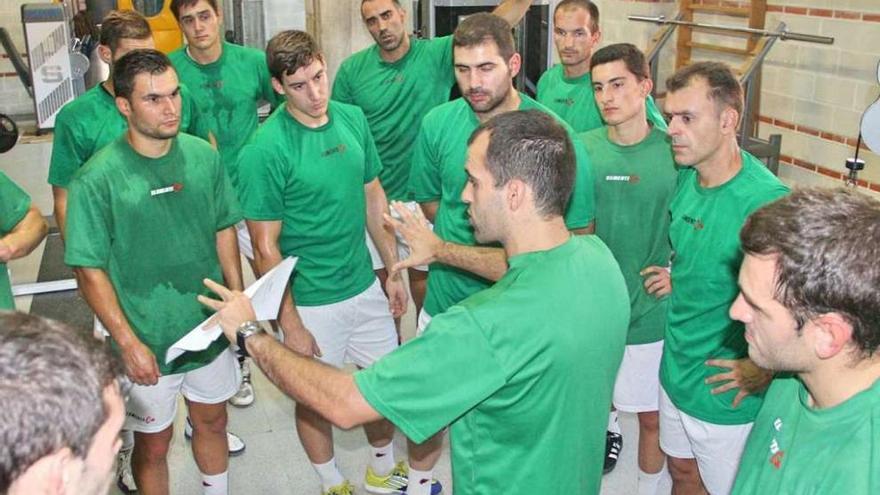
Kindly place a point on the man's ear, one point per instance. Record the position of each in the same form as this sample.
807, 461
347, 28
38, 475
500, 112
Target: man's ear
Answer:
833, 335
105, 54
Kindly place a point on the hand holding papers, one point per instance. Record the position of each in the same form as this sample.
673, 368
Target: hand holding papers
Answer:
265, 295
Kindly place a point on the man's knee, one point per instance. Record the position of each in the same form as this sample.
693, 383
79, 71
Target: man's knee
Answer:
208, 418
684, 470
152, 448
649, 422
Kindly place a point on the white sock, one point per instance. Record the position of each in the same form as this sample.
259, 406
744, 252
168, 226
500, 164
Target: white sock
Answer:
127, 439
649, 482
329, 474
382, 459
613, 425
215, 484
419, 482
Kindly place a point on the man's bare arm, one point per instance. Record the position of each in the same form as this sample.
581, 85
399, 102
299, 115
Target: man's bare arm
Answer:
386, 244
325, 389
24, 237
267, 255
59, 195
430, 209
98, 291
512, 11
230, 259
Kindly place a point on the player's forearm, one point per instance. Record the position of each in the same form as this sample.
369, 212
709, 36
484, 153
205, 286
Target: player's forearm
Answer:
229, 257
430, 210
512, 11
323, 388
98, 291
383, 239
25, 236
487, 262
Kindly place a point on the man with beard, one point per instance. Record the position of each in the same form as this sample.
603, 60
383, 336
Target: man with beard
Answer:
150, 215
485, 63
540, 348
566, 88
396, 82
62, 409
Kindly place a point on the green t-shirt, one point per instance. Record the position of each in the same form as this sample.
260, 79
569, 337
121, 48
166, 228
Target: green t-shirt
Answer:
151, 225
573, 100
438, 174
541, 350
312, 180
796, 449
634, 186
14, 205
704, 231
92, 121
395, 97
227, 93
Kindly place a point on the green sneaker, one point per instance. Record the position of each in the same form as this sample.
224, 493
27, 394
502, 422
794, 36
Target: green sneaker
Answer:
396, 482
345, 488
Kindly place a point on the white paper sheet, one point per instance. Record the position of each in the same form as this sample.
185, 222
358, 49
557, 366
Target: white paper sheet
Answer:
265, 295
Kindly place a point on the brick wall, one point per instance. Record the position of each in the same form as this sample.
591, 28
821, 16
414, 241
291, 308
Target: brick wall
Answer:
813, 95
14, 99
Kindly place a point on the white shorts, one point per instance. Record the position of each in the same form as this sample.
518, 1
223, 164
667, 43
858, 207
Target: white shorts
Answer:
422, 322
402, 246
151, 408
244, 240
637, 388
716, 448
358, 330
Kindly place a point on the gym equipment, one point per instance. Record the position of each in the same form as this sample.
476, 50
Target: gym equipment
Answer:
758, 45
8, 133
869, 133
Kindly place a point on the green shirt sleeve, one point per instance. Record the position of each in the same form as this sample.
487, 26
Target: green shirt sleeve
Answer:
68, 152
261, 184
442, 50
582, 205
87, 240
342, 90
425, 181
14, 204
421, 388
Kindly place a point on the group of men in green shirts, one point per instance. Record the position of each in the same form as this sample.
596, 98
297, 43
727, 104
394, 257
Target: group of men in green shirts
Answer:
154, 212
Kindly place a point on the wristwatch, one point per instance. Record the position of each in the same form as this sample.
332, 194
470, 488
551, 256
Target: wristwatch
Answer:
246, 330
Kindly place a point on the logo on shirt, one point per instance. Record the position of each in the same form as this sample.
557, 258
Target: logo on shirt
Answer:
696, 223
565, 101
776, 453
395, 79
176, 187
631, 179
213, 85
339, 148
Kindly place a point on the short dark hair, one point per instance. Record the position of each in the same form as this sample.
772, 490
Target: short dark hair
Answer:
137, 62
483, 27
587, 5
627, 53
532, 146
828, 243
724, 89
396, 2
176, 5
52, 382
123, 24
290, 50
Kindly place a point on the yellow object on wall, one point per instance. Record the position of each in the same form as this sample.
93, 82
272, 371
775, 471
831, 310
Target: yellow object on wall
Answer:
166, 32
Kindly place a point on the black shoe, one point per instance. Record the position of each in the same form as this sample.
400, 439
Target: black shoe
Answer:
613, 446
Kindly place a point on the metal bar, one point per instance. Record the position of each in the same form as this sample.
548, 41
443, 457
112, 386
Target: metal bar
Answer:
44, 287
783, 35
